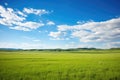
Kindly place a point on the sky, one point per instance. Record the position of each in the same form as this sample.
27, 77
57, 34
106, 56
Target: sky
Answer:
49, 24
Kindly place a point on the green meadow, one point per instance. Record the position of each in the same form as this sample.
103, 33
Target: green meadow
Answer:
60, 65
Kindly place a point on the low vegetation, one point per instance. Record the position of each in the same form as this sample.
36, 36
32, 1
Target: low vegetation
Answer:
60, 65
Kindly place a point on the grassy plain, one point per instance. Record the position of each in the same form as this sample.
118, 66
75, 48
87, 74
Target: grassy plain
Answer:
64, 65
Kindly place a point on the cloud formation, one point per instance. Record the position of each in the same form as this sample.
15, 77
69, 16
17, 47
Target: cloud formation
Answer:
35, 11
50, 23
16, 19
21, 45
107, 32
62, 35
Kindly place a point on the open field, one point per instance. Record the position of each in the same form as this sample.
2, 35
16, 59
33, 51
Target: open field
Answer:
51, 65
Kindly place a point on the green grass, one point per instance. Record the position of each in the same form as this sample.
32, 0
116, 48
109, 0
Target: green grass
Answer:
51, 65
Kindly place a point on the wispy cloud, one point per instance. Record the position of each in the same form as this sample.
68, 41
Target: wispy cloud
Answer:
55, 35
27, 26
35, 11
50, 23
104, 31
17, 20
21, 45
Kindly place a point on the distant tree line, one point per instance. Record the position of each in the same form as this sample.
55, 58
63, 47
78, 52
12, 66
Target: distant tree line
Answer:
58, 49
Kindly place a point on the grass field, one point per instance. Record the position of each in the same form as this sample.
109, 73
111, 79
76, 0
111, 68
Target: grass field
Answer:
51, 65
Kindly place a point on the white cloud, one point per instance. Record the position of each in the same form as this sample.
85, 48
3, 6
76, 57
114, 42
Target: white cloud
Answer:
56, 34
62, 36
20, 28
21, 13
35, 11
50, 23
43, 31
27, 26
104, 31
15, 19
9, 16
21, 45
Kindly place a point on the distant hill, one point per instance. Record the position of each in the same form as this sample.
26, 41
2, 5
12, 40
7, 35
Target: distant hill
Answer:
9, 49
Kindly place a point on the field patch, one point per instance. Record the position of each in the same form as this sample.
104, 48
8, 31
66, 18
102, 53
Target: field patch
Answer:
51, 65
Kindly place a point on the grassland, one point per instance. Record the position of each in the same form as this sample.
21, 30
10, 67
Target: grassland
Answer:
52, 65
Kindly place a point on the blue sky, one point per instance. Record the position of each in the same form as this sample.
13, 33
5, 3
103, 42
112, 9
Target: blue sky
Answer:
30, 24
